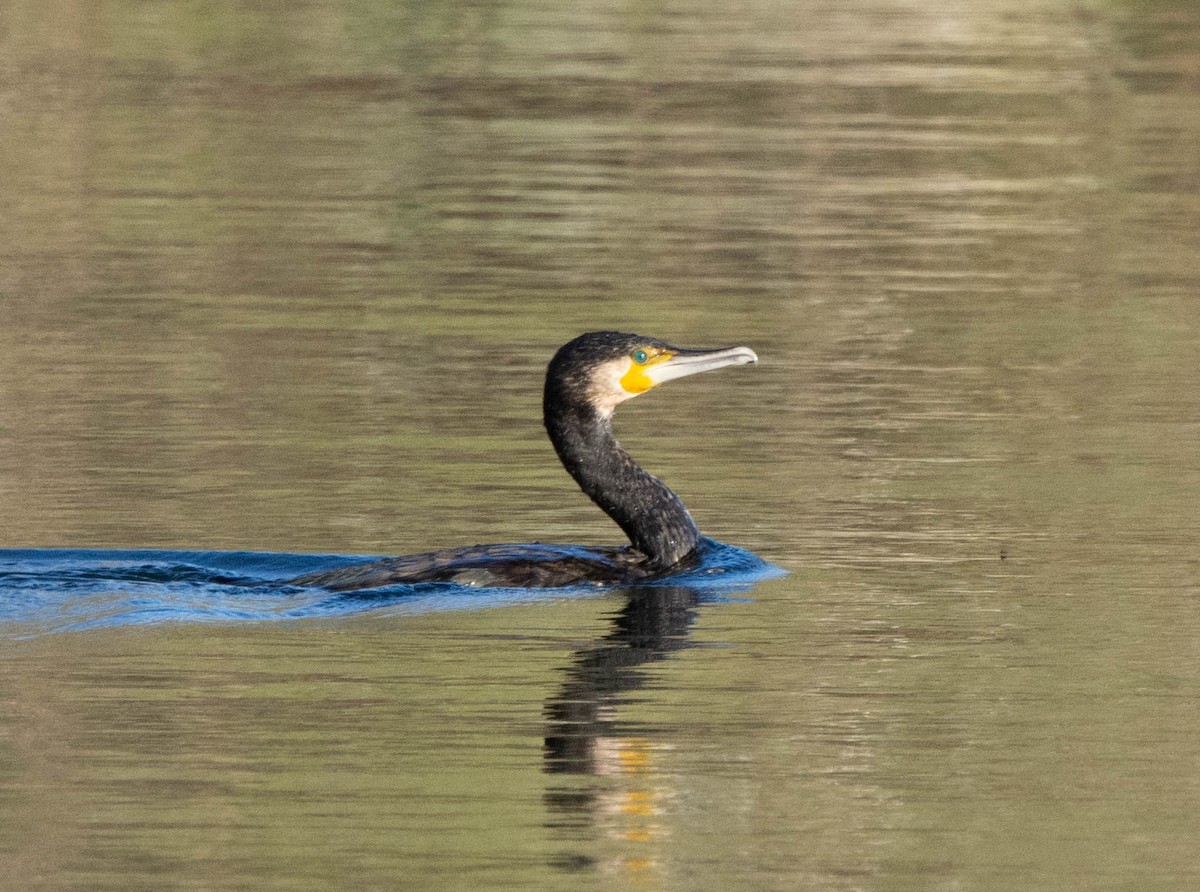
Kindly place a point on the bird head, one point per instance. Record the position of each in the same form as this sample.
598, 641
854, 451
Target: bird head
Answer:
603, 369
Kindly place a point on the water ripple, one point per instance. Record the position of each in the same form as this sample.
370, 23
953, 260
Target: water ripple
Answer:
44, 591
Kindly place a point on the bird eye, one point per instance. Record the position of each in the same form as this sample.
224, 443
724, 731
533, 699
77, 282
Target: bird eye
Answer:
640, 357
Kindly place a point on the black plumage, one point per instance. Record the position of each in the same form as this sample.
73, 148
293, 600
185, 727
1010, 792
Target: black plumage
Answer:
585, 381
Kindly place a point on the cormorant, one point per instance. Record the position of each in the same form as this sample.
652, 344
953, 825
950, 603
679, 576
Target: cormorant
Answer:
585, 382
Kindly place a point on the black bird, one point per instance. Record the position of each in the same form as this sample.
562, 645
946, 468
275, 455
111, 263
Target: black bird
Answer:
585, 382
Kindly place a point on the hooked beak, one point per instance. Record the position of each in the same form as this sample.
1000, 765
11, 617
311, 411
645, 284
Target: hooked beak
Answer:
691, 362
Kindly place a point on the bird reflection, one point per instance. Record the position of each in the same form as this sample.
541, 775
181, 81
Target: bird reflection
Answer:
653, 622
585, 737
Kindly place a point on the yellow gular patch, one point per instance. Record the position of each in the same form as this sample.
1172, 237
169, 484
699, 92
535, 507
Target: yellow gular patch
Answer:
636, 380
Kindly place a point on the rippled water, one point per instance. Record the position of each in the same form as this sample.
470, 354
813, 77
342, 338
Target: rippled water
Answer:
278, 286
72, 590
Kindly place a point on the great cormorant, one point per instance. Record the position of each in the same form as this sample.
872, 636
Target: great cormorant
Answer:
585, 382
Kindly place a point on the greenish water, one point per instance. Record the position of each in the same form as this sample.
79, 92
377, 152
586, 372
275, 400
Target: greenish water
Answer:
285, 279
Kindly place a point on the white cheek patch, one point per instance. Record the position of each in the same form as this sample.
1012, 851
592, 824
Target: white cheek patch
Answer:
606, 392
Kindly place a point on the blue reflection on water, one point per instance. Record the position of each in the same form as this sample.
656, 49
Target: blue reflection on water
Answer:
44, 591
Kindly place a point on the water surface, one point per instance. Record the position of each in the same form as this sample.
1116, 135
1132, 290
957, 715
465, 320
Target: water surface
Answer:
284, 283
53, 590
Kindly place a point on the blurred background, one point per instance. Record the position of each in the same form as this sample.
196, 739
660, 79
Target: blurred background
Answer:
285, 277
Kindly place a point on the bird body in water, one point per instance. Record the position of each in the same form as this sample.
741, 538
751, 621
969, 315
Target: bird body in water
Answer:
585, 382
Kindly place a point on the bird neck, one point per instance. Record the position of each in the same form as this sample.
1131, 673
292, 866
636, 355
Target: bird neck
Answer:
651, 515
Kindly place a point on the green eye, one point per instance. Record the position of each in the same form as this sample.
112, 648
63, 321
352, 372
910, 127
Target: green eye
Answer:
640, 357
